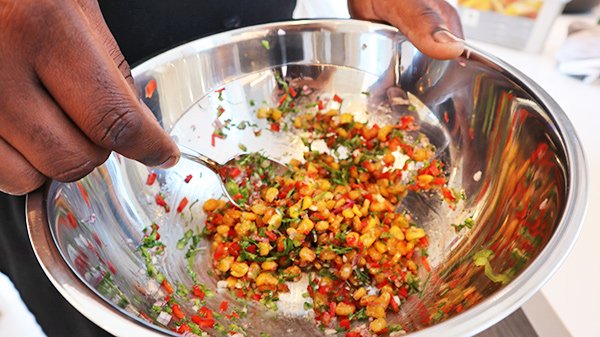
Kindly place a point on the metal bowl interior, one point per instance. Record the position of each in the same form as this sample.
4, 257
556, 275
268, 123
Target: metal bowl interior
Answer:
505, 142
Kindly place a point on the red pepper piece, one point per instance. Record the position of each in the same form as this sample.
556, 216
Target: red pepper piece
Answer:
270, 235
406, 122
425, 263
223, 307
150, 88
282, 99
234, 172
188, 178
204, 319
320, 105
345, 323
182, 205
292, 92
198, 292
151, 178
184, 328
177, 313
337, 98
167, 287
394, 305
160, 201
448, 194
72, 219
220, 251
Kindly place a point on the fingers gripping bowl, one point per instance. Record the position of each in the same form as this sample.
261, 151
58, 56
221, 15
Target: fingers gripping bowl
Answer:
502, 139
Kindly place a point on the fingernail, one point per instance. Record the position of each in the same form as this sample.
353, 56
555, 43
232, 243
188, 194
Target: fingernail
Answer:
170, 162
442, 35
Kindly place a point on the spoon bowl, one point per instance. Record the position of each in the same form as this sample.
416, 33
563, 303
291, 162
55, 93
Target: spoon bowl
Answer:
242, 176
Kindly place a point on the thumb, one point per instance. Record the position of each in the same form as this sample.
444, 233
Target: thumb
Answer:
431, 25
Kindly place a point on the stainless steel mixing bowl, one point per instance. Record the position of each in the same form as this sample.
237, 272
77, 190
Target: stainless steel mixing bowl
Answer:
505, 142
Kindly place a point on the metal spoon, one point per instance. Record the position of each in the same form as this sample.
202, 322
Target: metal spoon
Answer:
237, 176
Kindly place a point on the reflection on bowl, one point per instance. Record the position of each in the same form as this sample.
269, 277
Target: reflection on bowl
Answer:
505, 142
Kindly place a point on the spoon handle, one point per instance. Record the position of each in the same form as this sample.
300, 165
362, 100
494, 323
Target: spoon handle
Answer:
190, 154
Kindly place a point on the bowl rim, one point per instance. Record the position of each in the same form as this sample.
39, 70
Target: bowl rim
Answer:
474, 320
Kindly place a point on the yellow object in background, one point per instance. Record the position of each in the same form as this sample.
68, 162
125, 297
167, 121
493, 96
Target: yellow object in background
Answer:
526, 8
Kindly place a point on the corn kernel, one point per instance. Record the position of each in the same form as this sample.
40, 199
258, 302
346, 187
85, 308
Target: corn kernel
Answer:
263, 112
271, 194
264, 248
253, 271
381, 247
211, 204
269, 265
342, 133
378, 325
259, 209
223, 230
414, 233
266, 279
248, 216
365, 207
295, 162
377, 207
367, 300
345, 271
321, 226
375, 310
344, 309
274, 221
327, 255
305, 226
384, 298
388, 159
346, 118
384, 132
356, 211
359, 293
239, 269
367, 240
294, 210
424, 179
307, 254
292, 272
374, 254
400, 221
324, 185
354, 195
420, 154
245, 227
225, 264
347, 213
307, 202
276, 114
396, 233
232, 282
332, 112
298, 122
